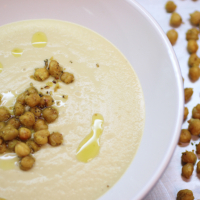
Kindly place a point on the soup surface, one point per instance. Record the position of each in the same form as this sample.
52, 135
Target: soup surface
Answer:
105, 83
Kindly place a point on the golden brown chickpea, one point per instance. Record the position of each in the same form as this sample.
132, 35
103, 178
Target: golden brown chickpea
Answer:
32, 100
41, 137
2, 125
33, 146
14, 122
186, 112
196, 112
193, 59
46, 101
2, 148
192, 46
185, 136
24, 133
36, 111
18, 109
175, 20
22, 149
195, 18
185, 195
189, 157
170, 6
188, 93
21, 98
31, 90
40, 124
198, 167
187, 170
55, 139
54, 69
27, 163
67, 77
4, 114
8, 133
194, 126
198, 148
41, 74
194, 73
12, 144
192, 34
50, 114
172, 36
27, 119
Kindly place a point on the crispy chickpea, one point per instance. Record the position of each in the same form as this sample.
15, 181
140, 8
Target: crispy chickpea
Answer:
187, 170
4, 114
41, 137
194, 73
172, 36
21, 98
198, 167
33, 146
2, 125
40, 124
12, 144
188, 92
24, 133
198, 148
170, 6
41, 74
175, 20
192, 34
50, 114
55, 139
185, 195
2, 148
31, 90
189, 157
186, 112
22, 149
27, 119
185, 136
194, 126
54, 69
67, 77
32, 100
19, 109
193, 59
196, 112
27, 163
8, 133
195, 18
192, 46
46, 101
36, 111
14, 122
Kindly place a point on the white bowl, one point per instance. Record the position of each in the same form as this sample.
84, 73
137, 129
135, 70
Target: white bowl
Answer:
136, 34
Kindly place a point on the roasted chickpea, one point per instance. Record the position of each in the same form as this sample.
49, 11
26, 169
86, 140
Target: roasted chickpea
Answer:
36, 111
194, 73
21, 98
196, 112
198, 167
185, 136
4, 114
2, 124
19, 109
22, 149
195, 18
192, 34
188, 93
32, 100
175, 20
185, 195
41, 137
54, 69
194, 126
27, 119
198, 148
187, 170
67, 77
189, 157
172, 36
50, 114
2, 148
170, 6
41, 74
14, 122
40, 124
192, 46
193, 59
55, 139
46, 101
186, 112
33, 146
8, 133
27, 163
31, 90
24, 133
12, 144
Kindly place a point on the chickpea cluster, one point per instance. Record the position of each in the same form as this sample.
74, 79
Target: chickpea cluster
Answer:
27, 130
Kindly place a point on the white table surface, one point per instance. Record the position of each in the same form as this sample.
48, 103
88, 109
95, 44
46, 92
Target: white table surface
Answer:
172, 181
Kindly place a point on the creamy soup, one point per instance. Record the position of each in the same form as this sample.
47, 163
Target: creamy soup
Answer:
105, 83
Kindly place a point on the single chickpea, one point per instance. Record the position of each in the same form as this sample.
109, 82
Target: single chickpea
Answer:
12, 144
2, 125
32, 100
14, 122
188, 93
27, 163
21, 98
55, 139
193, 59
22, 149
185, 195
186, 112
192, 46
194, 73
40, 124
41, 74
189, 157
195, 18
187, 170
170, 6
2, 148
198, 148
67, 77
172, 36
192, 34
19, 109
196, 112
27, 119
50, 114
54, 69
36, 111
198, 167
24, 133
185, 136
4, 114
194, 126
8, 133
175, 20
41, 137
46, 101
33, 146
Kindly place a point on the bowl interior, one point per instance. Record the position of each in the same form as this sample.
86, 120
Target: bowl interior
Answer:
139, 38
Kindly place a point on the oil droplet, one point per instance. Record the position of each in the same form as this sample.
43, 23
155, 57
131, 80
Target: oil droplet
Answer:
89, 147
1, 67
8, 161
17, 52
39, 40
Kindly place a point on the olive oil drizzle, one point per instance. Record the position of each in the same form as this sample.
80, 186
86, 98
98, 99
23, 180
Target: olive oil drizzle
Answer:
17, 52
8, 161
39, 40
